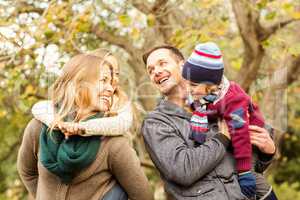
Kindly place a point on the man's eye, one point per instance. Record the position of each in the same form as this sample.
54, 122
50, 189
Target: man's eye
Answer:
150, 70
163, 63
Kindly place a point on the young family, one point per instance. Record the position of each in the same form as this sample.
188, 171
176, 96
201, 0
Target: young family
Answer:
205, 137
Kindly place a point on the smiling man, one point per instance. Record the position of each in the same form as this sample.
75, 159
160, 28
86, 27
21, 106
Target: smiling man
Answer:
205, 172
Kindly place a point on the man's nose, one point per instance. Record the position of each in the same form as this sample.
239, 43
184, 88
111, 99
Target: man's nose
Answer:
157, 70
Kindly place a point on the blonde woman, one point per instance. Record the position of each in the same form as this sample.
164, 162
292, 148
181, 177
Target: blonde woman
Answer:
80, 168
117, 121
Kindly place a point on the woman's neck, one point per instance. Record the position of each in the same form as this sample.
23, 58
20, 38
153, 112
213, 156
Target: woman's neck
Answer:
84, 113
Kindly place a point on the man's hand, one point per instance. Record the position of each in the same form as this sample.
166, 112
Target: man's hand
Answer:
260, 137
223, 128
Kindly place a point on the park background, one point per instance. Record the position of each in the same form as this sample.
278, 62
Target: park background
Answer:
260, 41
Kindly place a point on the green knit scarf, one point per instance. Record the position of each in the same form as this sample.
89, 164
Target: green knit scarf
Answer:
66, 157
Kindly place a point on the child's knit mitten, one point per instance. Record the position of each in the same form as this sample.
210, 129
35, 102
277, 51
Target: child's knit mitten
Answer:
199, 125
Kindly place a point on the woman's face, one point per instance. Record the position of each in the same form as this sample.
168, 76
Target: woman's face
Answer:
102, 90
115, 79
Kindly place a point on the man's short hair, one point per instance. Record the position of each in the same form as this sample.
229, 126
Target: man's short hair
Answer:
174, 51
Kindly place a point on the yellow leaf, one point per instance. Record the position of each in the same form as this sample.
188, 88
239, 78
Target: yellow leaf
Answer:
206, 4
151, 20
135, 33
236, 64
29, 89
295, 49
125, 20
2, 113
296, 15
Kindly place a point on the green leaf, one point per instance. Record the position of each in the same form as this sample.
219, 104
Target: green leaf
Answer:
295, 49
266, 43
262, 4
271, 15
49, 33
84, 27
288, 7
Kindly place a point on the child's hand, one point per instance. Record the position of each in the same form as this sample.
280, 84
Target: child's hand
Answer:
70, 128
247, 183
199, 126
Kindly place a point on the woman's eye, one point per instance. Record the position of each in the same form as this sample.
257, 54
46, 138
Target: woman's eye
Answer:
104, 80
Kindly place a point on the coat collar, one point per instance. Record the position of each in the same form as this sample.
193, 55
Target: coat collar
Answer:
172, 109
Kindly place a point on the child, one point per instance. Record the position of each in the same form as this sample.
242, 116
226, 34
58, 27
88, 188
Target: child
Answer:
215, 97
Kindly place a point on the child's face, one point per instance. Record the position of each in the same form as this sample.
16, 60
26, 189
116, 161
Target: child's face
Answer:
197, 90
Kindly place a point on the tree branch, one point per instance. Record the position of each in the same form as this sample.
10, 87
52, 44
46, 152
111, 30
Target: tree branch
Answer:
11, 149
117, 40
24, 7
4, 58
293, 72
248, 23
142, 6
268, 31
159, 5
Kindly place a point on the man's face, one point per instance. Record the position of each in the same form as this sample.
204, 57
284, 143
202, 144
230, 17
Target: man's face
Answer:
164, 70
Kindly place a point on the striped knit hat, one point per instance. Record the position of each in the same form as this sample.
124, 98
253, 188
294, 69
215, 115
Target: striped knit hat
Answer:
205, 65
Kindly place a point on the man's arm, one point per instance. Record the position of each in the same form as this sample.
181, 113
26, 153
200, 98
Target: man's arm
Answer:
177, 161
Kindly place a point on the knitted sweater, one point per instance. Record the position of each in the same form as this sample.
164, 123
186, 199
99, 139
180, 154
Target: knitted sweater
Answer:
115, 161
236, 108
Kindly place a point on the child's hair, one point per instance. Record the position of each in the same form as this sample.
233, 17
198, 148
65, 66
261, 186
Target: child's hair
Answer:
211, 88
72, 89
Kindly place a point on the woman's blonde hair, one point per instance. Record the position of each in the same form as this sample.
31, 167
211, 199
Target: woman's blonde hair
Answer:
119, 98
72, 88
